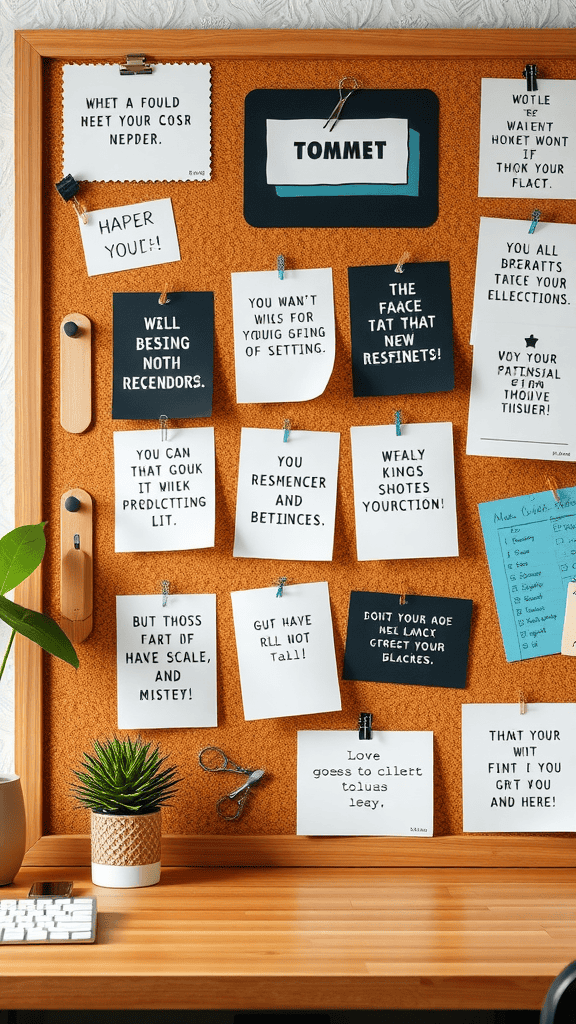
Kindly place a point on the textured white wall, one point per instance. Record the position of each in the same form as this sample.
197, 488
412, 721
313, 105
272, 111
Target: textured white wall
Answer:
102, 14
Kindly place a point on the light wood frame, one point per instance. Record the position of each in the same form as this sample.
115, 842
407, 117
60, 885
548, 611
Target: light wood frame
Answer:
31, 47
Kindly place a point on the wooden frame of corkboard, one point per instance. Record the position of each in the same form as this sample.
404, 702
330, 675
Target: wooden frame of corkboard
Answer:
32, 50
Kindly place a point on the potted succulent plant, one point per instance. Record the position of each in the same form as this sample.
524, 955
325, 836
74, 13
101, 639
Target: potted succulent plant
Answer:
21, 552
125, 783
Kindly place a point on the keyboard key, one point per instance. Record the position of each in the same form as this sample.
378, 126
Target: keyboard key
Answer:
13, 934
81, 935
57, 934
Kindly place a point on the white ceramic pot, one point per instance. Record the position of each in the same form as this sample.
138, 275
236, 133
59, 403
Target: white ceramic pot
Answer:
125, 849
12, 828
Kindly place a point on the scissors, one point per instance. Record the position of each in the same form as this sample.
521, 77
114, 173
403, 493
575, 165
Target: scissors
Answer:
212, 759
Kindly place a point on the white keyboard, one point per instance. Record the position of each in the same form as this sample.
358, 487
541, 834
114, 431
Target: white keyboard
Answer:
47, 920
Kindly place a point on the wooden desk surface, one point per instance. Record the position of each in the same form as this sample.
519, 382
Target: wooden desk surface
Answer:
306, 938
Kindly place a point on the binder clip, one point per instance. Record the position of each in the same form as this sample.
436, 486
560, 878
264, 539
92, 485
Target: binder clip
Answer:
281, 265
163, 427
281, 584
398, 421
68, 188
135, 65
335, 115
535, 219
164, 297
286, 430
365, 726
165, 592
529, 73
399, 268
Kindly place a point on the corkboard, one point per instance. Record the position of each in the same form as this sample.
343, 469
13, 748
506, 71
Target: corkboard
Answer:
215, 241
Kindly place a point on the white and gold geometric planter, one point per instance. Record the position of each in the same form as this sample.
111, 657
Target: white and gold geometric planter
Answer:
126, 849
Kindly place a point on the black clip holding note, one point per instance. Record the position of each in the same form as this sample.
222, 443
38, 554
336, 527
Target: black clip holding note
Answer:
135, 65
529, 73
365, 726
68, 188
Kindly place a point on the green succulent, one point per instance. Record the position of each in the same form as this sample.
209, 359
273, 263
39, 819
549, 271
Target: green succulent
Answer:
125, 776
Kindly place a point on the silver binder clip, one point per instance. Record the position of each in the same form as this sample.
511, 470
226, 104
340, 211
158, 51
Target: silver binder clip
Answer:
135, 65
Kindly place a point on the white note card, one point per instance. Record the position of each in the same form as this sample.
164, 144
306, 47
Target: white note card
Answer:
284, 335
165, 489
286, 651
528, 139
286, 501
137, 127
378, 787
166, 661
404, 491
519, 771
524, 336
304, 152
128, 237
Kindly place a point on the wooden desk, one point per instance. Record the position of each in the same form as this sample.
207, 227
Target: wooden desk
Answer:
307, 938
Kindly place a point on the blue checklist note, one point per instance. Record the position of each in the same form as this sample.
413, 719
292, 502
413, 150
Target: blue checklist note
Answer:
531, 546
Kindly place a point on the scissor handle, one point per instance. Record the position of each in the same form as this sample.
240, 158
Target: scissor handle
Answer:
236, 803
213, 759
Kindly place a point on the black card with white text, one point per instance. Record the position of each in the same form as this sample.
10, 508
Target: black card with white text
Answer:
163, 355
401, 327
423, 642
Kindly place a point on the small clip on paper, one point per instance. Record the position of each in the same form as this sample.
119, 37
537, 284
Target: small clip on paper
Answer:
535, 219
286, 430
164, 297
68, 188
398, 421
163, 427
522, 703
281, 266
529, 73
335, 115
399, 268
165, 592
365, 726
402, 599
553, 486
135, 65
281, 584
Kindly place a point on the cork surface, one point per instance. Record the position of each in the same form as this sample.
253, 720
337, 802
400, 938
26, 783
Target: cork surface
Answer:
215, 241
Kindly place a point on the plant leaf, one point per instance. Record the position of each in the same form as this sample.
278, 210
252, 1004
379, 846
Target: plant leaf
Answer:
39, 628
21, 552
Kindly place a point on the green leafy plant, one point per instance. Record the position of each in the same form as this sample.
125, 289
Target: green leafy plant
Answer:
21, 552
125, 776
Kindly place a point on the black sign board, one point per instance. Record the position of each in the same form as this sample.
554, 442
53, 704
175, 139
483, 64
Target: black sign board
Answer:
414, 204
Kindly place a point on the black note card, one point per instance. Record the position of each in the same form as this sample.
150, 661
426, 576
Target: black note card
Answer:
376, 167
163, 355
401, 327
423, 642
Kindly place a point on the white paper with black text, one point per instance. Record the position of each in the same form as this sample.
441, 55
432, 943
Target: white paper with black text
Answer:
285, 651
524, 337
305, 152
166, 661
404, 491
378, 787
165, 490
284, 335
137, 127
129, 237
286, 501
519, 771
528, 139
